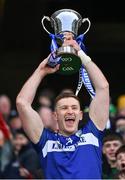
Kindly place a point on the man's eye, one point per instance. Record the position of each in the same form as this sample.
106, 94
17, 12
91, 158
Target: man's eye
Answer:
74, 108
64, 108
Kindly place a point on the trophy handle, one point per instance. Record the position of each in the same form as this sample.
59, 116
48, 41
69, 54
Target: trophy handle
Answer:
42, 21
89, 24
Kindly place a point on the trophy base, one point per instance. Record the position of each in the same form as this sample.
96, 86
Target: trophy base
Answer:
70, 61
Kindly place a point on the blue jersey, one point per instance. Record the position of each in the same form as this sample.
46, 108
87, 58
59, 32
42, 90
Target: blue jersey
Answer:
75, 157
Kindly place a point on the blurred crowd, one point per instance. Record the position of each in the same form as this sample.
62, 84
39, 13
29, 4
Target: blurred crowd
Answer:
18, 158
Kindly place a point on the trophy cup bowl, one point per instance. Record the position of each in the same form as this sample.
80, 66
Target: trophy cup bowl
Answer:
62, 21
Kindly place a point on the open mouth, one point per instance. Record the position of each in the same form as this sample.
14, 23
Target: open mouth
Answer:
112, 154
123, 166
69, 121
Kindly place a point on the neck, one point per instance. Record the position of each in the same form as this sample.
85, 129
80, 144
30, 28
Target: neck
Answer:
66, 133
112, 163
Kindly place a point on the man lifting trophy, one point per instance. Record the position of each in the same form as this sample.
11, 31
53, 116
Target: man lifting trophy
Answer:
64, 150
62, 21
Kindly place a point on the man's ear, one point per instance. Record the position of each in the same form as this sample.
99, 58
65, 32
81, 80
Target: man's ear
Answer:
81, 115
103, 149
54, 115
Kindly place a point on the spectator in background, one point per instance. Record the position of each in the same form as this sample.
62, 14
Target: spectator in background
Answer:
24, 163
120, 163
46, 98
67, 90
112, 115
5, 106
14, 121
121, 105
5, 128
47, 118
120, 126
112, 110
45, 109
111, 143
2, 141
6, 151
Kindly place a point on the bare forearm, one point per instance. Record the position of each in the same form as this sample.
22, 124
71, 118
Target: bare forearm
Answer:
98, 79
28, 91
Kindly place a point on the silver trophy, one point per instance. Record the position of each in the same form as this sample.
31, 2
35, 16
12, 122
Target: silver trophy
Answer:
66, 20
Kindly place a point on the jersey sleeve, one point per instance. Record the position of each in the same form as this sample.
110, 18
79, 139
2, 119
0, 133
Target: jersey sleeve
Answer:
92, 128
44, 137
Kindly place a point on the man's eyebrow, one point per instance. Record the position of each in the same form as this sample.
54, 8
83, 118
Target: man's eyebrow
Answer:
62, 105
73, 105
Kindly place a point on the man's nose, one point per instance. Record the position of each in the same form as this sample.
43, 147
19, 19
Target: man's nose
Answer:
112, 147
70, 111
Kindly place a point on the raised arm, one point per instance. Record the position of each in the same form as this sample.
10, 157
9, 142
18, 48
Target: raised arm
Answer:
99, 107
31, 120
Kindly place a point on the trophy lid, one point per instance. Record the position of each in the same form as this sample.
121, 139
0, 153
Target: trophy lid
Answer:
66, 20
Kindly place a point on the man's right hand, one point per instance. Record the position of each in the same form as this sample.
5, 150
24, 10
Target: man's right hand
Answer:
45, 69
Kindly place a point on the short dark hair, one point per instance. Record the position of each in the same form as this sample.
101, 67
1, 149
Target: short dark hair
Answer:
47, 93
120, 150
13, 114
112, 136
20, 132
66, 95
117, 118
67, 90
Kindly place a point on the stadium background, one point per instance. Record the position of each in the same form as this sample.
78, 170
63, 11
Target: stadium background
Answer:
24, 43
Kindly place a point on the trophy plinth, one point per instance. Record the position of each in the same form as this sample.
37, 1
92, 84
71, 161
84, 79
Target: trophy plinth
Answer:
62, 21
70, 62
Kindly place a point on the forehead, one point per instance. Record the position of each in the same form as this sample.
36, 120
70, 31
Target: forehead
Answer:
69, 101
21, 136
112, 142
120, 120
121, 153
